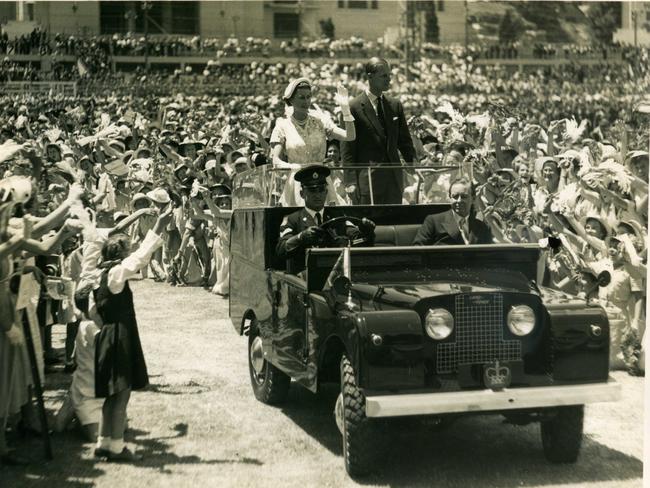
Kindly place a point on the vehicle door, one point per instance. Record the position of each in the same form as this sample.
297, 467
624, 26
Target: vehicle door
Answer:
289, 330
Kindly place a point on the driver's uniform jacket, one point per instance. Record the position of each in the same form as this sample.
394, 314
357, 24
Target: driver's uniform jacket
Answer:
291, 247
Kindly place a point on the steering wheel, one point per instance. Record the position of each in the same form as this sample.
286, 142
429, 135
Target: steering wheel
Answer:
330, 229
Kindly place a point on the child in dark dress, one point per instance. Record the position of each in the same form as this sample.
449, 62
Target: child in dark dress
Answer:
119, 362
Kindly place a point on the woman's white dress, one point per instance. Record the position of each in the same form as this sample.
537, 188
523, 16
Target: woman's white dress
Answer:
304, 145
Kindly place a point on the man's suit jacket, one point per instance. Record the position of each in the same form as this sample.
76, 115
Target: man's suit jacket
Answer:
375, 146
443, 228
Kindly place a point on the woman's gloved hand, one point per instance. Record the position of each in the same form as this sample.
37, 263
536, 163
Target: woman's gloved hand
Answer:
342, 100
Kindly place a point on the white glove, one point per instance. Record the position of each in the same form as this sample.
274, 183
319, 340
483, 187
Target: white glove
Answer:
15, 336
342, 100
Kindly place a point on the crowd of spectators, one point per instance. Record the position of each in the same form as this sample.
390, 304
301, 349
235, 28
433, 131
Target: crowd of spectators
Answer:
560, 151
42, 43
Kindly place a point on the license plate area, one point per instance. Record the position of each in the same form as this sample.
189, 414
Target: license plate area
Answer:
494, 375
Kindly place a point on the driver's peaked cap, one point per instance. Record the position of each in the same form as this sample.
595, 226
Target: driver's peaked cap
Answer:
313, 175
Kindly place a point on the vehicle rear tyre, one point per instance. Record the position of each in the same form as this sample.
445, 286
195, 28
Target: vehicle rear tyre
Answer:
270, 385
562, 434
359, 449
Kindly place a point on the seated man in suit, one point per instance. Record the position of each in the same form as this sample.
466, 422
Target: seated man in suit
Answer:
302, 229
458, 225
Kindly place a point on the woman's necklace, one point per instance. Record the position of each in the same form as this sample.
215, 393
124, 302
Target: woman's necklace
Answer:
301, 123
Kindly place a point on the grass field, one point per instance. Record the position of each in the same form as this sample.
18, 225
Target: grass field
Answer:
199, 425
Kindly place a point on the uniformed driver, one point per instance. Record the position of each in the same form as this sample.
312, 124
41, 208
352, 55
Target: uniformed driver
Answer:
302, 229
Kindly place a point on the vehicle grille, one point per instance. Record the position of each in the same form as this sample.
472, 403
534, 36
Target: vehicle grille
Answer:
479, 334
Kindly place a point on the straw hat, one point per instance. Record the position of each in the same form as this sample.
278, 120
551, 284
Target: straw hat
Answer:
139, 196
600, 220
158, 195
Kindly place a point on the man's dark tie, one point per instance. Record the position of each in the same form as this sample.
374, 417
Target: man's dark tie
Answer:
380, 111
318, 219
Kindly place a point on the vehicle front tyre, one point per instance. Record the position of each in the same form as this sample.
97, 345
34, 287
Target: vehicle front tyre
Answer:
357, 430
562, 434
270, 385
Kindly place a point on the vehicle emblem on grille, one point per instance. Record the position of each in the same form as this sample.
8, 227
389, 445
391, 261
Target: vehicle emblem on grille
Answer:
497, 376
479, 300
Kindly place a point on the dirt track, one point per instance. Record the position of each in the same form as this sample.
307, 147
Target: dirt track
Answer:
199, 425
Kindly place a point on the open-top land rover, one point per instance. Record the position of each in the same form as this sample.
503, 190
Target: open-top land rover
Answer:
413, 330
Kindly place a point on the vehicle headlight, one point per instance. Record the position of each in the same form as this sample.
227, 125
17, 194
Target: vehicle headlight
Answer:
521, 320
439, 323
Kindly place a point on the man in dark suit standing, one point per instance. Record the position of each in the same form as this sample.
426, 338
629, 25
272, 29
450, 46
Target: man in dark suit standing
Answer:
456, 226
302, 229
381, 131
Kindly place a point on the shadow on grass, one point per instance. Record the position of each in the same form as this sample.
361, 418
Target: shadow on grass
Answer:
72, 466
189, 388
468, 451
157, 455
482, 451
315, 414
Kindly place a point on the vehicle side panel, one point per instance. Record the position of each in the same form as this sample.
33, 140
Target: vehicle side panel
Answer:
391, 346
580, 343
287, 331
249, 284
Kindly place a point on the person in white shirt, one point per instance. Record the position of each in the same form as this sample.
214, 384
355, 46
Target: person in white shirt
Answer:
119, 361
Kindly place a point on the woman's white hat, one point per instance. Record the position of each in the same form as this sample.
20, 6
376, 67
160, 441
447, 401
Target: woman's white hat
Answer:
291, 87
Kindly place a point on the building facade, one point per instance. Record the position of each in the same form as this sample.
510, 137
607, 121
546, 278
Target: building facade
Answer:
276, 20
635, 24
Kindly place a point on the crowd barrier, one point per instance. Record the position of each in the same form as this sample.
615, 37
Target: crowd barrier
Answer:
197, 60
54, 87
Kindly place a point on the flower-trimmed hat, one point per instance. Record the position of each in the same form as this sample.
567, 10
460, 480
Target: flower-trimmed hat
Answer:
294, 85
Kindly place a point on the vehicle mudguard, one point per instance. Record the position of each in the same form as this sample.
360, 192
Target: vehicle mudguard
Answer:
388, 349
579, 344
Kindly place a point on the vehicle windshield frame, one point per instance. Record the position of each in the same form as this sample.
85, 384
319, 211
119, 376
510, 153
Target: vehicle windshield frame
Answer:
263, 186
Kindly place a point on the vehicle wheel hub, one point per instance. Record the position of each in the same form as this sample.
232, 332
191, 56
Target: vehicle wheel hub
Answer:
338, 413
257, 356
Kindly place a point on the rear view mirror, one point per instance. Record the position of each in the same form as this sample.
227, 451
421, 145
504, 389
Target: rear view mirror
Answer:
341, 285
550, 242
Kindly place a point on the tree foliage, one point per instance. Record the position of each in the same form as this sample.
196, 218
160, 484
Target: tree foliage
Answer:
511, 28
605, 18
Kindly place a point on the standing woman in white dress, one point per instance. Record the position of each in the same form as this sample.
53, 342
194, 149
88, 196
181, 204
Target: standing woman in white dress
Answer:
301, 138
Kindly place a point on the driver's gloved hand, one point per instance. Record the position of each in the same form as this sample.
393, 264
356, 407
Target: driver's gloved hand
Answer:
311, 235
367, 225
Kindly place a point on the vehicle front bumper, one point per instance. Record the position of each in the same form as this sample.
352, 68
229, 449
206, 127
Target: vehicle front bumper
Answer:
488, 400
